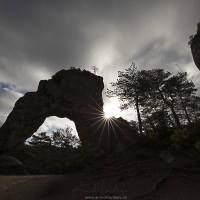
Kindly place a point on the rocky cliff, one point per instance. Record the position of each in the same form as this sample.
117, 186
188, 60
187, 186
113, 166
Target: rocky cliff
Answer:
195, 46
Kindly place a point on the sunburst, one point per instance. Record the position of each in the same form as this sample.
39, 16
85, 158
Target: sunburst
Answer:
104, 123
112, 110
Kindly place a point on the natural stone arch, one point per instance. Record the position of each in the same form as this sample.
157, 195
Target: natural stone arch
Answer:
74, 94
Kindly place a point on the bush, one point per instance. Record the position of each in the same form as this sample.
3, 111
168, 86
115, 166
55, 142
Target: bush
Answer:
187, 141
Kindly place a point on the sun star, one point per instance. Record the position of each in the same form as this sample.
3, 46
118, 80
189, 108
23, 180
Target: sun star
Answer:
111, 110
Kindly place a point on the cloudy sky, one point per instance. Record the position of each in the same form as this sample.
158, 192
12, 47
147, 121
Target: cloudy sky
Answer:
40, 37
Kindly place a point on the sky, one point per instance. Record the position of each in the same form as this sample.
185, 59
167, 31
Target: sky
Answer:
40, 37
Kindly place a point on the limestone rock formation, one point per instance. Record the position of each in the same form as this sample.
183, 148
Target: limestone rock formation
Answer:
74, 94
195, 46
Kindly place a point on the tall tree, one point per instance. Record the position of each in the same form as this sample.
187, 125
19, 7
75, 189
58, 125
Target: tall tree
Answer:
62, 138
157, 93
171, 93
180, 89
160, 94
131, 89
40, 139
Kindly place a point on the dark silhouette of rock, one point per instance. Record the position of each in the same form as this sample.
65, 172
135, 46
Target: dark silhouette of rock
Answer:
195, 46
74, 94
115, 134
11, 166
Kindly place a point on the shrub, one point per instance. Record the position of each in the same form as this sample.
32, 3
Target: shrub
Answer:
187, 140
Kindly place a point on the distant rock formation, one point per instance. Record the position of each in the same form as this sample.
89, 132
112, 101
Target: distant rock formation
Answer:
195, 46
115, 134
74, 94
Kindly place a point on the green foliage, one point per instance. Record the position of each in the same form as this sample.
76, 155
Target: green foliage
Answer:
183, 140
40, 139
64, 138
162, 100
167, 106
43, 159
49, 159
50, 154
187, 141
61, 138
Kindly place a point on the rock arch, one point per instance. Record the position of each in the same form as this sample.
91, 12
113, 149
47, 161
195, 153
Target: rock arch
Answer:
74, 94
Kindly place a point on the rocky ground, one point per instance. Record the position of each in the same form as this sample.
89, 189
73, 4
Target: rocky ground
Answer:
157, 178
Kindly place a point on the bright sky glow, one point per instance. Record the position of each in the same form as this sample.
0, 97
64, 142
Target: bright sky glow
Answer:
111, 109
53, 123
143, 32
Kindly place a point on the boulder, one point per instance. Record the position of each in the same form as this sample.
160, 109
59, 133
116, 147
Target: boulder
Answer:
11, 166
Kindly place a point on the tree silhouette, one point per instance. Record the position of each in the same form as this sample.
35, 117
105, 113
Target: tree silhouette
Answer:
62, 138
95, 69
131, 89
156, 93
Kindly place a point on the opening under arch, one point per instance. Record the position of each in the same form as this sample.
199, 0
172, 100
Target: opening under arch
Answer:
53, 123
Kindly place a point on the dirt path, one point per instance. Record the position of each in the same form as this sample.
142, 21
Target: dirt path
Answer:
148, 179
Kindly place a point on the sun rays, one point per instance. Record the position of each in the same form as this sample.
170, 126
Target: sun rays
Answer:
112, 110
110, 130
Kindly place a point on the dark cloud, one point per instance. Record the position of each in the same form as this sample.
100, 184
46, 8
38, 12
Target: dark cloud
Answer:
39, 38
12, 87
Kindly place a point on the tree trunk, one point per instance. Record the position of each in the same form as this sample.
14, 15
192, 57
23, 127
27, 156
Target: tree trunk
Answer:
186, 113
172, 123
138, 116
175, 117
171, 108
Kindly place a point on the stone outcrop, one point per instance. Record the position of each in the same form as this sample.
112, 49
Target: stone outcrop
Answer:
11, 166
115, 134
195, 46
74, 94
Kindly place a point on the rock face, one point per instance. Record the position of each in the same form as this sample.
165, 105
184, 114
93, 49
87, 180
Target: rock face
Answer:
195, 46
74, 94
